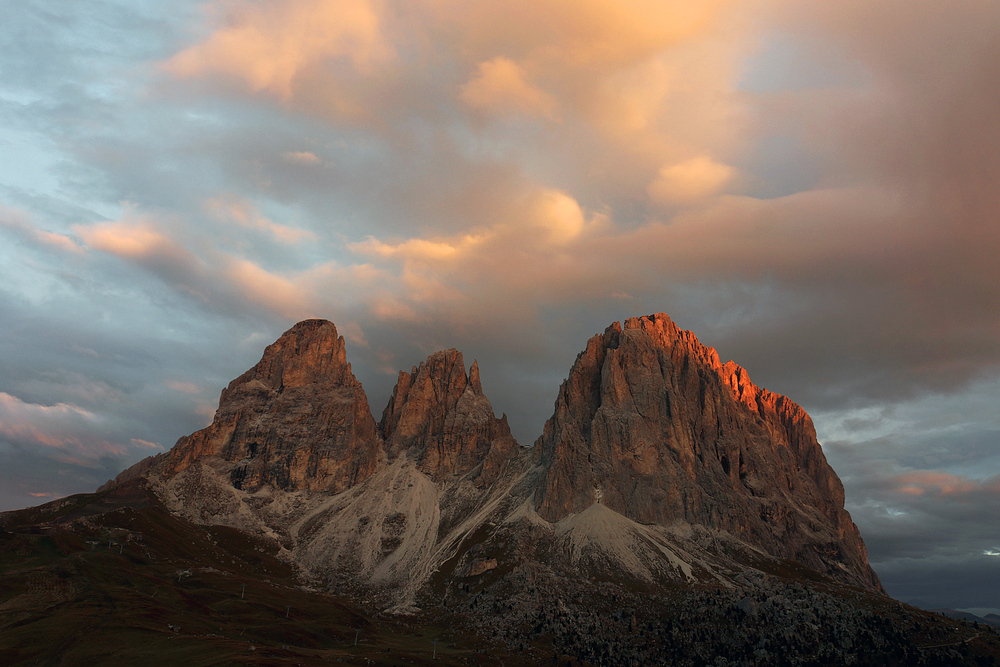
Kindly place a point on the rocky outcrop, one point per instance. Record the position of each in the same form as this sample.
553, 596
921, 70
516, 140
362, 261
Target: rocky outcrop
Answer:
136, 471
441, 414
298, 420
652, 425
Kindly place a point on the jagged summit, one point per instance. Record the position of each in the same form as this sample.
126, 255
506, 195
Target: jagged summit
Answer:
652, 425
442, 412
660, 466
310, 352
298, 419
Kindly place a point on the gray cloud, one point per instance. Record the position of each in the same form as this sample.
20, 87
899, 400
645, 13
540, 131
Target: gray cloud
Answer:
924, 490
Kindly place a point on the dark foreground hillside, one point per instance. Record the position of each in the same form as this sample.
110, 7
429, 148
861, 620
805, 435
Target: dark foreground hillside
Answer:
136, 586
111, 578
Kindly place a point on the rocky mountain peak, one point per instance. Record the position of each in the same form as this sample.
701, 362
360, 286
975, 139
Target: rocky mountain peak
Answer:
659, 465
440, 412
308, 353
652, 425
436, 385
298, 419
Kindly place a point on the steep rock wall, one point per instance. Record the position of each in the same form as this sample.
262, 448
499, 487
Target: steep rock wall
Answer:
652, 425
298, 420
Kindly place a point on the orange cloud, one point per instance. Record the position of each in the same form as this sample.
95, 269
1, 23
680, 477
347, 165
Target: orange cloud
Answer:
545, 219
690, 180
184, 387
652, 119
271, 290
607, 63
301, 157
130, 238
417, 249
232, 209
60, 241
215, 276
538, 248
550, 244
587, 34
943, 484
267, 44
559, 215
20, 222
500, 86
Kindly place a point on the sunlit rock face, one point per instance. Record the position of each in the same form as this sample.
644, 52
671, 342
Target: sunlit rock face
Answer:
298, 420
441, 414
659, 466
652, 425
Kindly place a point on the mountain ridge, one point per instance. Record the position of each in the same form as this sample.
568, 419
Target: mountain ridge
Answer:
671, 512
697, 470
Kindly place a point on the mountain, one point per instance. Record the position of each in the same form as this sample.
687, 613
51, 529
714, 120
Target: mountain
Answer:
298, 420
652, 425
442, 413
667, 495
655, 449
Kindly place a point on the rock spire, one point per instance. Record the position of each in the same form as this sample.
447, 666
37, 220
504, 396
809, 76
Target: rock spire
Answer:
299, 419
441, 412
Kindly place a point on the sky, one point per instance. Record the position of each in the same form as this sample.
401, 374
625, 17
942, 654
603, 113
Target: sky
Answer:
812, 188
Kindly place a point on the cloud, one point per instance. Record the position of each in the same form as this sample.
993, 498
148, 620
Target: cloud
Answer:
522, 255
28, 477
241, 212
214, 278
585, 35
136, 240
922, 487
689, 180
560, 215
500, 86
301, 157
184, 387
353, 333
272, 291
267, 44
383, 66
140, 240
418, 249
943, 484
19, 222
61, 426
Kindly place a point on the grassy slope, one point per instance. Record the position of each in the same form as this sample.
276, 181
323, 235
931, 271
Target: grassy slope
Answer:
112, 578
136, 585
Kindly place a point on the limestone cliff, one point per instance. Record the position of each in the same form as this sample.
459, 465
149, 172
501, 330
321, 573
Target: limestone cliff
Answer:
298, 420
441, 412
652, 425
